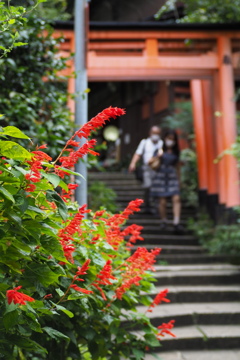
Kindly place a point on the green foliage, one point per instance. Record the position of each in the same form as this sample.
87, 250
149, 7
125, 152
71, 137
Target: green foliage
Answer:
12, 19
99, 195
218, 239
205, 11
181, 118
189, 180
47, 9
234, 150
62, 323
32, 95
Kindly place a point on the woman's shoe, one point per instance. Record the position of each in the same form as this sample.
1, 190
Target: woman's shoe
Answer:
178, 229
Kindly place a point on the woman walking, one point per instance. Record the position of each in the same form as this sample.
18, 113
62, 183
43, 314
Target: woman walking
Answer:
166, 183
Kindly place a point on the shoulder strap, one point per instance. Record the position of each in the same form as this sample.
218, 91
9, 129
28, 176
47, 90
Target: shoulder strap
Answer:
144, 146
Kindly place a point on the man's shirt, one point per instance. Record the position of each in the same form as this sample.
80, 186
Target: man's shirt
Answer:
146, 149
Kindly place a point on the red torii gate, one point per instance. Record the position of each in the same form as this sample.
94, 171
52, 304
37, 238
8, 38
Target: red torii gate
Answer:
207, 56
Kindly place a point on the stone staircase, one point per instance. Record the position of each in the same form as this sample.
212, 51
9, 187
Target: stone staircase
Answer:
204, 289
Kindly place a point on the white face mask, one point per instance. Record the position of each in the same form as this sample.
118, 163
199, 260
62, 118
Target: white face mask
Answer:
169, 142
155, 137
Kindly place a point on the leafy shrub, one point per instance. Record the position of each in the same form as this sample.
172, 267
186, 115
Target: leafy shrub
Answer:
189, 180
32, 95
101, 196
69, 285
219, 239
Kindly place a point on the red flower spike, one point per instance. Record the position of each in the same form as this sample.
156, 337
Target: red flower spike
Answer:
104, 277
66, 234
30, 188
17, 297
165, 329
126, 286
135, 231
77, 288
161, 296
98, 121
48, 296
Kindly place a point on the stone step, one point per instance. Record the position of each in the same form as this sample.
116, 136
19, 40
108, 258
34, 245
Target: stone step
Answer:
167, 238
197, 355
199, 294
146, 217
203, 337
110, 175
172, 249
114, 181
188, 314
176, 259
152, 221
199, 277
154, 232
199, 267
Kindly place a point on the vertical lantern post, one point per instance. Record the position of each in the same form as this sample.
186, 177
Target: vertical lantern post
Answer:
81, 101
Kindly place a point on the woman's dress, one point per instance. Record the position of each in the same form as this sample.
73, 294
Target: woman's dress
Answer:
165, 183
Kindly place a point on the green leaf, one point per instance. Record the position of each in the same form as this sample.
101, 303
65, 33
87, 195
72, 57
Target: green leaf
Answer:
6, 194
55, 334
70, 172
52, 178
63, 309
151, 339
138, 353
53, 196
14, 151
14, 132
10, 319
60, 292
19, 44
24, 343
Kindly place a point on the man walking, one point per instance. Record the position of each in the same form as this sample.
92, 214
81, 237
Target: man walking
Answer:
146, 149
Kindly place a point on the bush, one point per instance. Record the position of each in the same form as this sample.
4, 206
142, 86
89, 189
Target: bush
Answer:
32, 95
189, 180
223, 239
69, 285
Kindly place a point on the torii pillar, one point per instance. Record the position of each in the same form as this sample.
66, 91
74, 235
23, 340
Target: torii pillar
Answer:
228, 119
199, 127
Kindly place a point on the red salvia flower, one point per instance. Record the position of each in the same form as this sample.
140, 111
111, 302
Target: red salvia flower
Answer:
135, 231
98, 121
165, 329
77, 288
161, 296
30, 188
126, 286
135, 267
18, 297
82, 270
66, 234
70, 160
104, 277
48, 296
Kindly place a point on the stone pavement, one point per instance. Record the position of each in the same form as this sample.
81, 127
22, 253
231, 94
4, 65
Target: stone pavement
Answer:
204, 290
198, 355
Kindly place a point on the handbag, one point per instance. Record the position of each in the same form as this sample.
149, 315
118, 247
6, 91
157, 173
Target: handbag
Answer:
155, 163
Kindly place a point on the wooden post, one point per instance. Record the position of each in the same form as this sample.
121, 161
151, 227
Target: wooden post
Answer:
228, 118
209, 134
221, 165
198, 119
